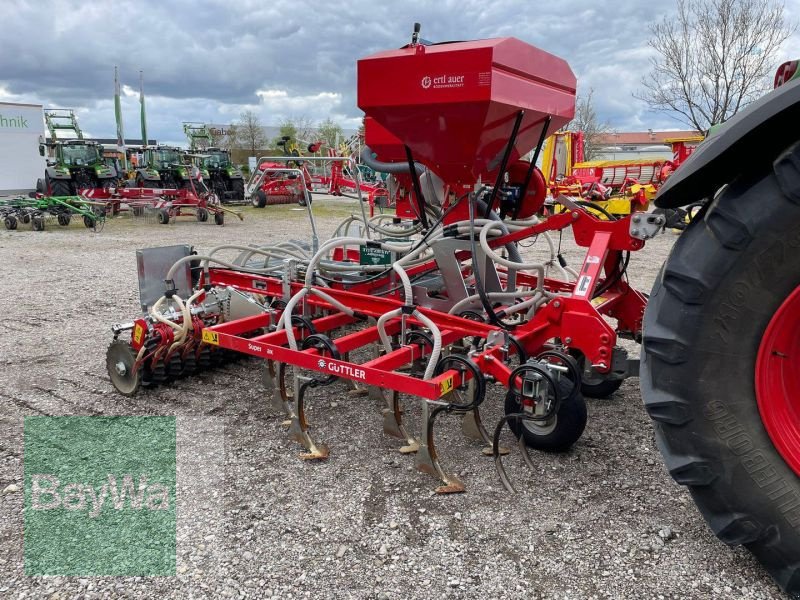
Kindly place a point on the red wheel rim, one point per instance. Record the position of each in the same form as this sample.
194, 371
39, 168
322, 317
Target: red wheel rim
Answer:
778, 380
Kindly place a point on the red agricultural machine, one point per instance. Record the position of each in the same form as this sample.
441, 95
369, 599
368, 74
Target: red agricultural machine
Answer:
617, 186
450, 304
165, 204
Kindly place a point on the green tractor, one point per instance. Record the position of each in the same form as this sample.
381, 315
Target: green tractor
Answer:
221, 176
74, 164
165, 167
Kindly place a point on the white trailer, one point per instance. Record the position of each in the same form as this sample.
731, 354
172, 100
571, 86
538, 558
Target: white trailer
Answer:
21, 132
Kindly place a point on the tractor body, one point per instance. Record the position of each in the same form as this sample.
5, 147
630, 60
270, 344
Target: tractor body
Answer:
77, 166
165, 167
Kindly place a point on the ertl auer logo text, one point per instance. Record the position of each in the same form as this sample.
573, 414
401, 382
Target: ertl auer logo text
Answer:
442, 81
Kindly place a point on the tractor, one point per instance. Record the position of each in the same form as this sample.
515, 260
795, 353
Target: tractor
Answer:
223, 177
165, 167
719, 375
74, 164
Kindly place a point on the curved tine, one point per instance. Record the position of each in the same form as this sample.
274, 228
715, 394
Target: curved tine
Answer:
427, 460
471, 424
270, 376
412, 445
298, 430
498, 461
526, 456
393, 416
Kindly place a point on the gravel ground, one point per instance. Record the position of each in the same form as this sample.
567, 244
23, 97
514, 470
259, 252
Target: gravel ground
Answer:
602, 521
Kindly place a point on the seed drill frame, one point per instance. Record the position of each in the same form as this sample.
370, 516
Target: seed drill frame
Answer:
454, 306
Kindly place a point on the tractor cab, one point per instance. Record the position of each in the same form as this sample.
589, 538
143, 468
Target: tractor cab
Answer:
78, 154
216, 158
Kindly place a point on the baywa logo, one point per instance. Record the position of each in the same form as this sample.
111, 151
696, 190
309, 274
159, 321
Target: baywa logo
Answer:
426, 82
99, 496
49, 494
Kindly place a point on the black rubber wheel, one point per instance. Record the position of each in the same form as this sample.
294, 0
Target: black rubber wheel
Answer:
562, 431
163, 217
237, 189
219, 218
89, 222
60, 187
202, 215
726, 276
141, 182
38, 223
10, 222
259, 200
598, 387
63, 219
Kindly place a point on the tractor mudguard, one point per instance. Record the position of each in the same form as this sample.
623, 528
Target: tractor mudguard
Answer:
57, 173
749, 139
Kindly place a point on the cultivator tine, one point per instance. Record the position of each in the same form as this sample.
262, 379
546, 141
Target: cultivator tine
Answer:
298, 429
270, 378
473, 428
427, 459
497, 450
393, 419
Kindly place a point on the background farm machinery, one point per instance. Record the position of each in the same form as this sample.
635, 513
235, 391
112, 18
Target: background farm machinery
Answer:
292, 178
437, 302
618, 187
164, 205
219, 173
74, 164
37, 211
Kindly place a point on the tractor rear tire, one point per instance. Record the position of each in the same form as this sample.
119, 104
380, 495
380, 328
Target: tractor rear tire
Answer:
562, 432
237, 189
726, 277
259, 200
60, 187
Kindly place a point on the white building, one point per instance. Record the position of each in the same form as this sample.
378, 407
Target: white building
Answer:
21, 132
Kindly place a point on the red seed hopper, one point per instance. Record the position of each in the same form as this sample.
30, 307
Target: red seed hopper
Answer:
455, 104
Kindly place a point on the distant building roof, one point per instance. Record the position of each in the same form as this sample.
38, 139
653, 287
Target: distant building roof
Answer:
640, 138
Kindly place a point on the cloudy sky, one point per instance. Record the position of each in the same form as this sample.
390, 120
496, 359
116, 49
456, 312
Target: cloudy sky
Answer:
207, 60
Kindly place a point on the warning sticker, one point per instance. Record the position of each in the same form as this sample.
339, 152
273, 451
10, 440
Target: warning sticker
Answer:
210, 337
446, 386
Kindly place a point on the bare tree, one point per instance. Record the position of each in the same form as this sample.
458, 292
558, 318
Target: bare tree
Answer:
250, 133
586, 120
713, 58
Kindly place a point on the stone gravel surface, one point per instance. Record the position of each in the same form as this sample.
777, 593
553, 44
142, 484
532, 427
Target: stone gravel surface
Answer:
601, 521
